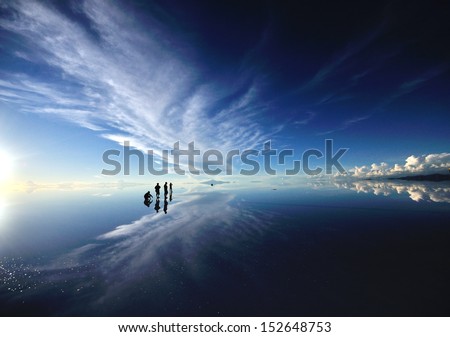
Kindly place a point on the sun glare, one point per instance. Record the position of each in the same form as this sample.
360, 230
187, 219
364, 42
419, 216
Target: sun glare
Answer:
6, 166
2, 208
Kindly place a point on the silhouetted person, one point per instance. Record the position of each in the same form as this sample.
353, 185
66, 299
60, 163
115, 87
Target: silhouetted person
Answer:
165, 189
170, 185
170, 195
157, 188
157, 206
165, 205
148, 199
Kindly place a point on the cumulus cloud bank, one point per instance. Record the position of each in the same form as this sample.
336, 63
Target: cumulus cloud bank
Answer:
429, 163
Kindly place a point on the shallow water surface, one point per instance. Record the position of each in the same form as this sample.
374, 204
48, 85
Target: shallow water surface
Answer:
344, 249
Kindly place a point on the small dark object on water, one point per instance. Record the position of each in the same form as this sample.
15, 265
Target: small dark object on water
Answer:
212, 184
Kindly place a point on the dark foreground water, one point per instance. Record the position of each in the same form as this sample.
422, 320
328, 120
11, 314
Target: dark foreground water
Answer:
348, 249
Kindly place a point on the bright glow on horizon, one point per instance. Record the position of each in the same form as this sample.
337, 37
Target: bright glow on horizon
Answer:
2, 209
6, 166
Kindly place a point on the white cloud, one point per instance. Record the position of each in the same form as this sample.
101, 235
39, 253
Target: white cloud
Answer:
124, 83
424, 164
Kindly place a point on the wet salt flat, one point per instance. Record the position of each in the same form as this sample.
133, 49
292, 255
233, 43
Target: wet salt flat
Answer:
345, 249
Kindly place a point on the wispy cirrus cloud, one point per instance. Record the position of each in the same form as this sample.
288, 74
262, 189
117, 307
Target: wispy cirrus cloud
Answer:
343, 56
345, 124
309, 117
112, 78
402, 89
414, 84
410, 85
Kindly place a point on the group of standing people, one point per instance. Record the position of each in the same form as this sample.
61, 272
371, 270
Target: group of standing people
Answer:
158, 188
148, 196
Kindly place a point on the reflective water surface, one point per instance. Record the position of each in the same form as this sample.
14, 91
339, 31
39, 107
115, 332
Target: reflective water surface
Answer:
342, 249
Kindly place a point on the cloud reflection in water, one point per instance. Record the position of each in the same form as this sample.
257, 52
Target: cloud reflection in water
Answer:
159, 246
259, 252
431, 192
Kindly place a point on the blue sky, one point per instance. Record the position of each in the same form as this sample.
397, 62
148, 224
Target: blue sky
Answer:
78, 78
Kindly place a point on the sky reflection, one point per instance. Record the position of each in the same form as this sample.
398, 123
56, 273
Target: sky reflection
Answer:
271, 249
117, 256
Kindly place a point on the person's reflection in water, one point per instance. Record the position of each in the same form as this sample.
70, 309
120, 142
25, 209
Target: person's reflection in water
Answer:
157, 205
165, 205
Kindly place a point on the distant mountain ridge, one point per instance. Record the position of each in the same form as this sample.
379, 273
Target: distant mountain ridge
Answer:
425, 177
